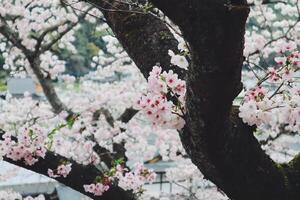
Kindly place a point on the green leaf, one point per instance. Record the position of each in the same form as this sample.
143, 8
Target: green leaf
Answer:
118, 162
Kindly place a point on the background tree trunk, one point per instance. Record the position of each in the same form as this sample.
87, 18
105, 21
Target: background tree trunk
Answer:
47, 85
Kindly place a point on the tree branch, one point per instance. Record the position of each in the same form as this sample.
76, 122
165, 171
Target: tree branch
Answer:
47, 46
47, 86
78, 176
145, 38
34, 62
118, 148
12, 36
127, 115
45, 32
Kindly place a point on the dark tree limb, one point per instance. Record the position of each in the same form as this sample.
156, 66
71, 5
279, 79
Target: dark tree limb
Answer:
292, 177
79, 175
127, 115
11, 36
145, 38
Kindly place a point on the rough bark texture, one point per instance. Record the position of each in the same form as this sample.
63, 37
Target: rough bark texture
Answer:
145, 38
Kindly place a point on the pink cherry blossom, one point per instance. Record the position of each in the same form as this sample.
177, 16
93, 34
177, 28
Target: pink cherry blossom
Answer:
61, 170
155, 104
97, 189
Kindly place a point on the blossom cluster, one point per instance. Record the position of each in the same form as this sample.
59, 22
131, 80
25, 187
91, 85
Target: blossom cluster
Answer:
62, 170
97, 189
275, 100
78, 149
164, 102
12, 195
190, 182
29, 145
128, 180
134, 180
271, 25
74, 142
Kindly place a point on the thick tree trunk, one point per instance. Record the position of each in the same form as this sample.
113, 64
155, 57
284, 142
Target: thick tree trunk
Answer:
218, 142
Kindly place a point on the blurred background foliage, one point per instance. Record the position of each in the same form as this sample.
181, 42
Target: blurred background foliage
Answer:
88, 42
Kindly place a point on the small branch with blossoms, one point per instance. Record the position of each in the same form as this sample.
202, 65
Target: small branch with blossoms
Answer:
274, 101
31, 145
27, 151
11, 36
164, 102
62, 170
120, 176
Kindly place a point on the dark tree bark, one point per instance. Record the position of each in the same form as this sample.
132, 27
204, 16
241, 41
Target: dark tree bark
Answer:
145, 38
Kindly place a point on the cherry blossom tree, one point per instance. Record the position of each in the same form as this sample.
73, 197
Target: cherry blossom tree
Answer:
191, 53
30, 30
